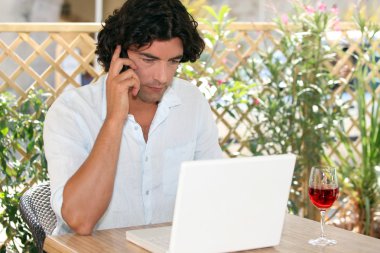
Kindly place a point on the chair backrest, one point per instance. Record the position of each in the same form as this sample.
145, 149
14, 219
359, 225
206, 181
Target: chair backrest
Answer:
36, 211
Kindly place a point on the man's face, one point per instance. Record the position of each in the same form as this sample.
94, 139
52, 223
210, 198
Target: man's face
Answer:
156, 66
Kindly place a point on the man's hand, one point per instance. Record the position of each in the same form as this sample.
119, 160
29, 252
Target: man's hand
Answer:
119, 85
88, 192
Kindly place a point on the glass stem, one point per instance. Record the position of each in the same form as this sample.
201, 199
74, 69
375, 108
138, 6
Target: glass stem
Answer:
323, 212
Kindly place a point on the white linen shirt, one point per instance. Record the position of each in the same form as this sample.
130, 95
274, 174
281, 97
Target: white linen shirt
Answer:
183, 129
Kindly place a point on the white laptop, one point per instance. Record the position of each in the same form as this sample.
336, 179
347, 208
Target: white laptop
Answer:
225, 205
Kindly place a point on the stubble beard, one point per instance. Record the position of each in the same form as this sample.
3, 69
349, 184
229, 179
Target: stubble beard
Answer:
151, 97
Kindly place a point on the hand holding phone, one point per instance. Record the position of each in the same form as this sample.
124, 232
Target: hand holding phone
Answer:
120, 85
124, 54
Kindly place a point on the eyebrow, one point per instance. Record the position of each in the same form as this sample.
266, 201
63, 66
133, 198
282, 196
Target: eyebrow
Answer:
148, 55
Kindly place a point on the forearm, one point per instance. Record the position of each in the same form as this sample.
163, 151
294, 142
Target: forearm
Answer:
88, 192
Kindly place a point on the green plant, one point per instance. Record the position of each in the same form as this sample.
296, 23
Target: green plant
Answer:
214, 82
215, 35
361, 183
210, 73
296, 111
22, 163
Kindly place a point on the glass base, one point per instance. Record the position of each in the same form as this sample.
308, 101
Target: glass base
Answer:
322, 241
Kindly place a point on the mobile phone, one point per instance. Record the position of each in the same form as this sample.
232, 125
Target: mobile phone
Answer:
124, 54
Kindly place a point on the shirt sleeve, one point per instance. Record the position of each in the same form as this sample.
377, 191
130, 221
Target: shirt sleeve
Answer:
207, 146
66, 148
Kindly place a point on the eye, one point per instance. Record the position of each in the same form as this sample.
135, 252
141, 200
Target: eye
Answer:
176, 61
148, 60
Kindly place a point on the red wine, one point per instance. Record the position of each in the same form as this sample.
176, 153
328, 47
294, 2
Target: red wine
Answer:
323, 198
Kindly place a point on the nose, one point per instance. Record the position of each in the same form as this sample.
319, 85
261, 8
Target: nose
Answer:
162, 73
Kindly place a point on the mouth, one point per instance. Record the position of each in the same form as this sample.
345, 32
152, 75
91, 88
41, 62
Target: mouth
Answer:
155, 88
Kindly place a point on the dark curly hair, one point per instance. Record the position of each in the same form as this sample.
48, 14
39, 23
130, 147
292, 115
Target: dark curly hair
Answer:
140, 22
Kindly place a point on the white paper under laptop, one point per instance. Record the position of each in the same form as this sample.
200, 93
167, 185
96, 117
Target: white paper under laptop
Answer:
225, 205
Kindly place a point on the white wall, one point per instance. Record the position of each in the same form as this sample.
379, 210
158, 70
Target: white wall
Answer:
30, 10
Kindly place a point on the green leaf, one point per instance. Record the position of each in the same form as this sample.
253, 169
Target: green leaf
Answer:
30, 147
4, 131
211, 11
223, 13
10, 172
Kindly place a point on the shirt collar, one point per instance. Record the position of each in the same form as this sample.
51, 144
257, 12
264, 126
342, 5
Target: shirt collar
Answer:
170, 98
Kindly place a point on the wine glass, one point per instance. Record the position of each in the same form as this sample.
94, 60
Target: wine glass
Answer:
323, 191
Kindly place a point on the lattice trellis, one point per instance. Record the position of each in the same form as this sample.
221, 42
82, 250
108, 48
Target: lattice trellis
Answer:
66, 52
247, 40
48, 56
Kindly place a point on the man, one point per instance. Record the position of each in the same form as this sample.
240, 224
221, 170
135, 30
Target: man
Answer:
114, 148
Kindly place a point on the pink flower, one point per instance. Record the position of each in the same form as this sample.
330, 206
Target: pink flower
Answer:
334, 9
285, 19
309, 9
336, 25
220, 82
322, 7
256, 102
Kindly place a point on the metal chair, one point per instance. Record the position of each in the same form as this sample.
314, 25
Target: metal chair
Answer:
37, 213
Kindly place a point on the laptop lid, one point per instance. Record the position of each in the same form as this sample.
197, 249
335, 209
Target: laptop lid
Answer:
231, 204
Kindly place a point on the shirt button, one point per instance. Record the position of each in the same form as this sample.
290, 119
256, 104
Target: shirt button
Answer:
147, 193
146, 159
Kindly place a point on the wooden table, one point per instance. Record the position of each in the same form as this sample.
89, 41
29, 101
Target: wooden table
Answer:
297, 231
